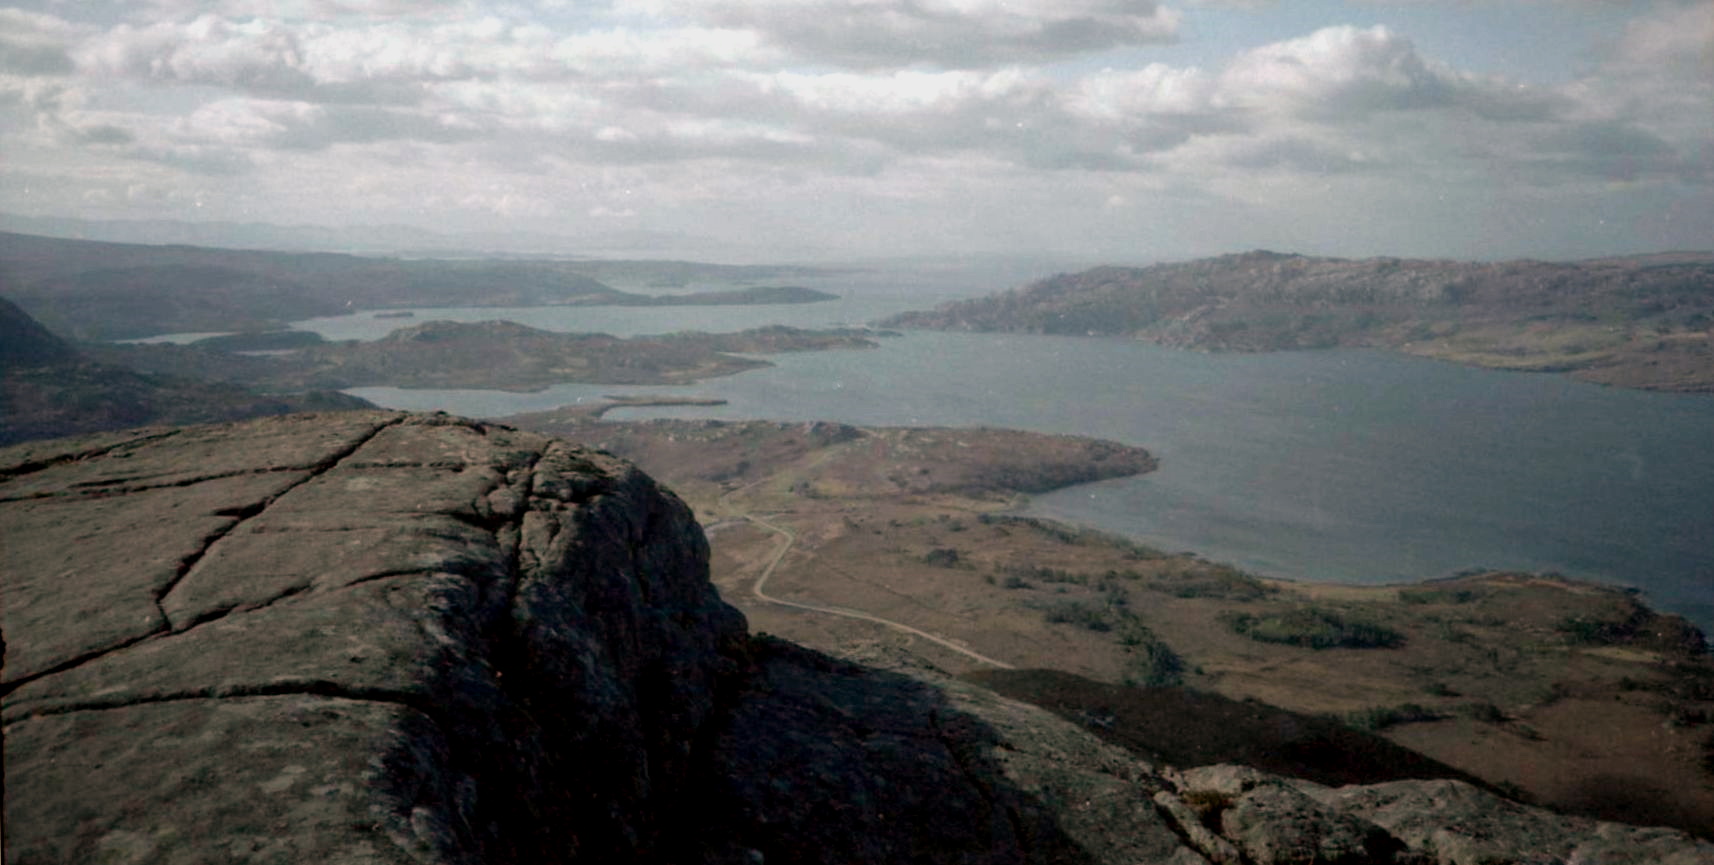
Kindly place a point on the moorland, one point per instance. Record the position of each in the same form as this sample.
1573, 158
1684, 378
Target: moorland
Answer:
903, 540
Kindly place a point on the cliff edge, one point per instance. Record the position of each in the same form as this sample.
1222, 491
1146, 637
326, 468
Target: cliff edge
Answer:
394, 638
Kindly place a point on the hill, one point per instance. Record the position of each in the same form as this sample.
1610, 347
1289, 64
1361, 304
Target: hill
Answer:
48, 389
87, 290
1641, 321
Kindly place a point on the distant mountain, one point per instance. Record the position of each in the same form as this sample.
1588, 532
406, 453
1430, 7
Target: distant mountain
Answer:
399, 240
48, 390
1641, 321
88, 290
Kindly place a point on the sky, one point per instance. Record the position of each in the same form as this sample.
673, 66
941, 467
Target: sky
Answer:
1121, 130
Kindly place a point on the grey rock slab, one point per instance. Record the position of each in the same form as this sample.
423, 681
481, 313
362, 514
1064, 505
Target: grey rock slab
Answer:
301, 442
1462, 825
82, 575
1214, 848
534, 706
268, 558
448, 441
410, 639
1274, 824
266, 779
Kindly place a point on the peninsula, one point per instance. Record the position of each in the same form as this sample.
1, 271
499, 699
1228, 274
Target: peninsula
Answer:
1637, 321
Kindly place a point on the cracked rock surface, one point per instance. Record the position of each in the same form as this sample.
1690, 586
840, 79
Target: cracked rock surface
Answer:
359, 637
390, 638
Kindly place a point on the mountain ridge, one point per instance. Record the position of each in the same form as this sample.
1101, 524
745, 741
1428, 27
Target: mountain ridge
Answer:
1639, 321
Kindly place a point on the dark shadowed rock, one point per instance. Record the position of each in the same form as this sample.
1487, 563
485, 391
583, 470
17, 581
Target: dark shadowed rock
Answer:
376, 637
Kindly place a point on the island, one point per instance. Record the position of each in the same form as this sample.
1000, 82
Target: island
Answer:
494, 355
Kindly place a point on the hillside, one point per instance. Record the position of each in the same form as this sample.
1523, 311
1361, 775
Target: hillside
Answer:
1641, 321
898, 541
87, 290
49, 389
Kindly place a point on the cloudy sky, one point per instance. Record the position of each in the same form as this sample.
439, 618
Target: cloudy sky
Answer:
1119, 129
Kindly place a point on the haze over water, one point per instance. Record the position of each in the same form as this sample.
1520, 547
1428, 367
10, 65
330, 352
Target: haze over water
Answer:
1351, 466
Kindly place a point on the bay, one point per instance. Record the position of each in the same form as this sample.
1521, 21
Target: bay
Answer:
1346, 465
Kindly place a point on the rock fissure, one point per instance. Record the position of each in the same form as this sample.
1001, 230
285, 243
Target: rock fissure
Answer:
78, 661
250, 511
27, 467
317, 688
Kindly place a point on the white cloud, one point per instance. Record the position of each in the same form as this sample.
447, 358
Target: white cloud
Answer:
1345, 72
680, 110
948, 33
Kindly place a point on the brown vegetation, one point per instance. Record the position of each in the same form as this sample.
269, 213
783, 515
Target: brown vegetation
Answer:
1537, 685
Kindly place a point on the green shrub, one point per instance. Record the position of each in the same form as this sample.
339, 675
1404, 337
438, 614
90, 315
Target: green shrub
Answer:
1074, 613
1436, 596
1483, 711
1382, 717
1152, 663
1598, 631
1315, 628
941, 557
1155, 665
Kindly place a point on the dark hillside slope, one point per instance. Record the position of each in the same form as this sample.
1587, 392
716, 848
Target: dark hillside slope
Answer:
91, 291
48, 390
24, 342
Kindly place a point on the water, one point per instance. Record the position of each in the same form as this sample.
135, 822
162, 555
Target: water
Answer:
1351, 466
864, 296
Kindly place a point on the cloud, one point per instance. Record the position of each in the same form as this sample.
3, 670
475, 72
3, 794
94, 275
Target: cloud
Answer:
946, 33
35, 44
683, 110
1345, 72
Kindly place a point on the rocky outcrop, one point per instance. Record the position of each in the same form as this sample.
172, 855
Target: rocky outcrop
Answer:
344, 638
382, 637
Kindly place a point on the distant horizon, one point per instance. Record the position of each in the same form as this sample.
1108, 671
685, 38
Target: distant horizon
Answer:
222, 234
821, 130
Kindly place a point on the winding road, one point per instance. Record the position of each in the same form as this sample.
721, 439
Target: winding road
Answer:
789, 538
